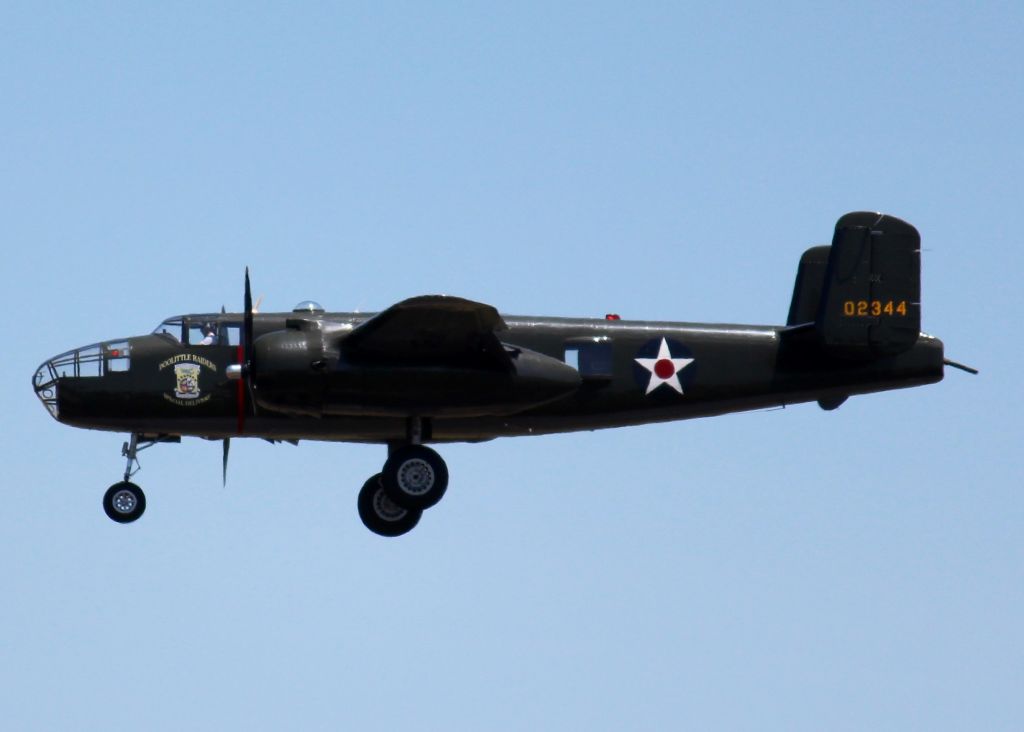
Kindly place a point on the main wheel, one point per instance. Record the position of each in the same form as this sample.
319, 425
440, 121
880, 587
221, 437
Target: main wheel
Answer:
124, 502
415, 477
381, 515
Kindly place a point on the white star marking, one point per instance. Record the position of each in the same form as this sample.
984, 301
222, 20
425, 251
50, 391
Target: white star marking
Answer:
664, 369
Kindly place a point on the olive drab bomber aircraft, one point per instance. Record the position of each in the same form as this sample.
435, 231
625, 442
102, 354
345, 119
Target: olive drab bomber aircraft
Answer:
437, 369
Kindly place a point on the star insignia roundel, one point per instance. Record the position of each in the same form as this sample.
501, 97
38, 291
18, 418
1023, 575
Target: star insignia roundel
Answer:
661, 363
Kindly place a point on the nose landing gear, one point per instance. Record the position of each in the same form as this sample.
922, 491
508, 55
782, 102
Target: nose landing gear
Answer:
125, 502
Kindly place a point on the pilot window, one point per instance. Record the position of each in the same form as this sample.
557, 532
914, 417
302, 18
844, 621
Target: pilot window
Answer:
212, 333
592, 357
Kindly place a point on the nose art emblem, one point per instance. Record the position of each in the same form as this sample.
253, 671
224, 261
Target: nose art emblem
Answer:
187, 385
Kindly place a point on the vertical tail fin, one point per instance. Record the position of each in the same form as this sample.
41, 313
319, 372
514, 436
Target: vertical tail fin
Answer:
863, 293
810, 280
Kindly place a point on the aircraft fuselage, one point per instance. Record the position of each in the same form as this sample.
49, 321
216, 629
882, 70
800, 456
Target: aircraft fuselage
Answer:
630, 372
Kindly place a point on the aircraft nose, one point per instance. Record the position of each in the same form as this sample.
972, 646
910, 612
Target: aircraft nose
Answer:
45, 385
85, 361
61, 373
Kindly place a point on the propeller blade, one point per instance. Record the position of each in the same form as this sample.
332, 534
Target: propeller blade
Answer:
248, 320
227, 448
248, 355
252, 396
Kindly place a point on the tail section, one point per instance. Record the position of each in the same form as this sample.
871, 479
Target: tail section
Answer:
862, 294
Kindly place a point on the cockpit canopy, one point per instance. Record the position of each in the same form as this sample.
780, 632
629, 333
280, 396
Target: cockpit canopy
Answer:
171, 327
206, 330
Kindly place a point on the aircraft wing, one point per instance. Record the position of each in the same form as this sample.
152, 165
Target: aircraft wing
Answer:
432, 330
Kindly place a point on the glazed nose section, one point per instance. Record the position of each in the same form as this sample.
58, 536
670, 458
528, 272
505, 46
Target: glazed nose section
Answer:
45, 384
57, 374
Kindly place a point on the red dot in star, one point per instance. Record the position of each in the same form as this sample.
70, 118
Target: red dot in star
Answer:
664, 369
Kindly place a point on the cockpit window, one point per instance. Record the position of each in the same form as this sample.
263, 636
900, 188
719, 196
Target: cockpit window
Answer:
207, 331
230, 334
203, 333
173, 327
201, 330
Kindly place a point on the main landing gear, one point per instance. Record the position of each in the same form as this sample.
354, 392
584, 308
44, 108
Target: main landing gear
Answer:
413, 479
391, 503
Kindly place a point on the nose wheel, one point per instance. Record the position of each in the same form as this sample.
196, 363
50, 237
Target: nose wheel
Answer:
413, 479
124, 502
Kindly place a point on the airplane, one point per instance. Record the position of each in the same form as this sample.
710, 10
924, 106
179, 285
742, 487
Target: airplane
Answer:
436, 369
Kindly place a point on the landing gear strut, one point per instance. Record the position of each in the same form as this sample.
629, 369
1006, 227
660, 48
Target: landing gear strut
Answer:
413, 479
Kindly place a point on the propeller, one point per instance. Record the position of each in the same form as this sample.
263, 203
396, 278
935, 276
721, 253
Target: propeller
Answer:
248, 356
243, 372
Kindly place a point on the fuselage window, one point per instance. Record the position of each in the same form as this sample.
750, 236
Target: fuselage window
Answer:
591, 357
117, 356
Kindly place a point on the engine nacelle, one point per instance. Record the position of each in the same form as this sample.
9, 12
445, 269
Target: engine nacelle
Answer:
296, 374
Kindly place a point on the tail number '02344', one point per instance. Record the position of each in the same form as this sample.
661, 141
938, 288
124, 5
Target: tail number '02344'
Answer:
873, 308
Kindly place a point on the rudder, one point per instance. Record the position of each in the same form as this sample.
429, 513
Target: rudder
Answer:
863, 293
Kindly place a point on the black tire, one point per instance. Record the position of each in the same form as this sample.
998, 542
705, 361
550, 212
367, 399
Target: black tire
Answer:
124, 502
380, 514
415, 476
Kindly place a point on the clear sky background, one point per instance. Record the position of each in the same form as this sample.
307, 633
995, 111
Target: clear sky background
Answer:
792, 569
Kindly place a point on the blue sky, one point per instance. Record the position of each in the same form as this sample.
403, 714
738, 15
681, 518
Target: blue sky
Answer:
792, 569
